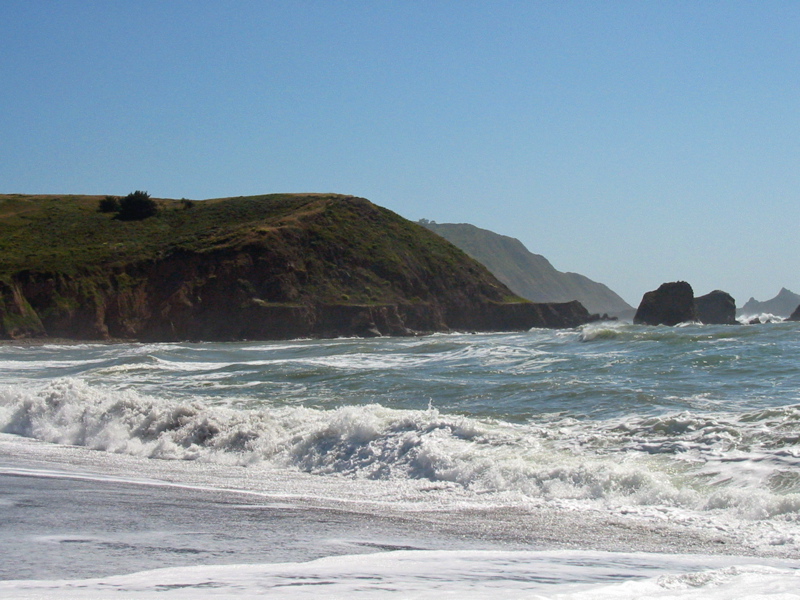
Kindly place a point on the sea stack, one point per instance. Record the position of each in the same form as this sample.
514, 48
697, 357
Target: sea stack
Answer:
670, 304
716, 308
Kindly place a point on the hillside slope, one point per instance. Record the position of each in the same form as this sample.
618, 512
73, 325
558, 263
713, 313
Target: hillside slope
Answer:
527, 274
262, 267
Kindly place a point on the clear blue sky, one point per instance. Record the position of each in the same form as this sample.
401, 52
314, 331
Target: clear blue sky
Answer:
633, 142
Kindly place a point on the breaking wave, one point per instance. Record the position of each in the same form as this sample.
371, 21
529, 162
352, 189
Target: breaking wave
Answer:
761, 318
746, 464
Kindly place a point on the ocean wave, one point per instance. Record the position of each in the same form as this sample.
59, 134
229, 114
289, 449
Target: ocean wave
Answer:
761, 318
685, 460
606, 330
687, 334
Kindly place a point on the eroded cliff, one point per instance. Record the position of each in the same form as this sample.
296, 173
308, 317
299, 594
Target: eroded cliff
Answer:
266, 267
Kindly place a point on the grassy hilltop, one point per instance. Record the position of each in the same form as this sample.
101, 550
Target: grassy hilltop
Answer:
320, 233
250, 267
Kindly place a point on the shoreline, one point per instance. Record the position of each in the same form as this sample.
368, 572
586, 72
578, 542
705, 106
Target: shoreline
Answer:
197, 513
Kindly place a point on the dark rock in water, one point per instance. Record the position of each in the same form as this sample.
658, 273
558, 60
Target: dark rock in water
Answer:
593, 318
670, 304
795, 316
716, 308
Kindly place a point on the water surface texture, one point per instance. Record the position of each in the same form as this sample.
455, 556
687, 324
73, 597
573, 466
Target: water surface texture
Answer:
608, 440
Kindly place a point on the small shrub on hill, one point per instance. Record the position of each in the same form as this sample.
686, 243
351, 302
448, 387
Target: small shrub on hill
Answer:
109, 204
137, 206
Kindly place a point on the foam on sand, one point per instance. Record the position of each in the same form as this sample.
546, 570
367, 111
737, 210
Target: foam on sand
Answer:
429, 574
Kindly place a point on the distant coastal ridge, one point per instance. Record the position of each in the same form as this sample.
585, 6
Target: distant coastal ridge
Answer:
782, 305
533, 277
530, 275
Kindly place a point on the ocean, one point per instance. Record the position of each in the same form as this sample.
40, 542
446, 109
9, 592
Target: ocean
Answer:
609, 461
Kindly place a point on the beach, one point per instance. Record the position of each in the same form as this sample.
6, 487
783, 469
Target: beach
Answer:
536, 464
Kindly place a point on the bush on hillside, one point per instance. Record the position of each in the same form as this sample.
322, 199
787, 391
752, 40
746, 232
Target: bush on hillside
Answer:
137, 206
109, 204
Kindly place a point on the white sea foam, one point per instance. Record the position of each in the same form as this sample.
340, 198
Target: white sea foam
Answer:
605, 330
651, 426
464, 574
741, 466
760, 318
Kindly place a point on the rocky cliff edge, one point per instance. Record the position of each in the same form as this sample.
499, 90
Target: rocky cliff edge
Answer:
265, 267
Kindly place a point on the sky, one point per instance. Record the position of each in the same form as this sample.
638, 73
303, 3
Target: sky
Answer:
632, 142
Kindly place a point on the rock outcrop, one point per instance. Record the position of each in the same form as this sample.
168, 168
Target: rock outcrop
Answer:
716, 308
795, 316
674, 303
272, 267
670, 304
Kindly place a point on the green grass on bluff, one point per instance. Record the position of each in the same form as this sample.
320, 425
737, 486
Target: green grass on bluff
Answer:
64, 233
346, 249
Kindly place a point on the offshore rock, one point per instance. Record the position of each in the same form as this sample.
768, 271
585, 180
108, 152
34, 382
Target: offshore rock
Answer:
670, 304
795, 316
716, 308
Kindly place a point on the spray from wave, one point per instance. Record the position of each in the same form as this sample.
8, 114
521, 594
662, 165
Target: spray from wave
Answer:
744, 465
760, 319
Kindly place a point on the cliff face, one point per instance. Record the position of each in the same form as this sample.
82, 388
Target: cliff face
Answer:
527, 274
272, 267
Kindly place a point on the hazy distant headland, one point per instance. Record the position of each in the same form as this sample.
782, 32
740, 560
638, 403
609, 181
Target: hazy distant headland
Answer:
261, 267
527, 274
782, 305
